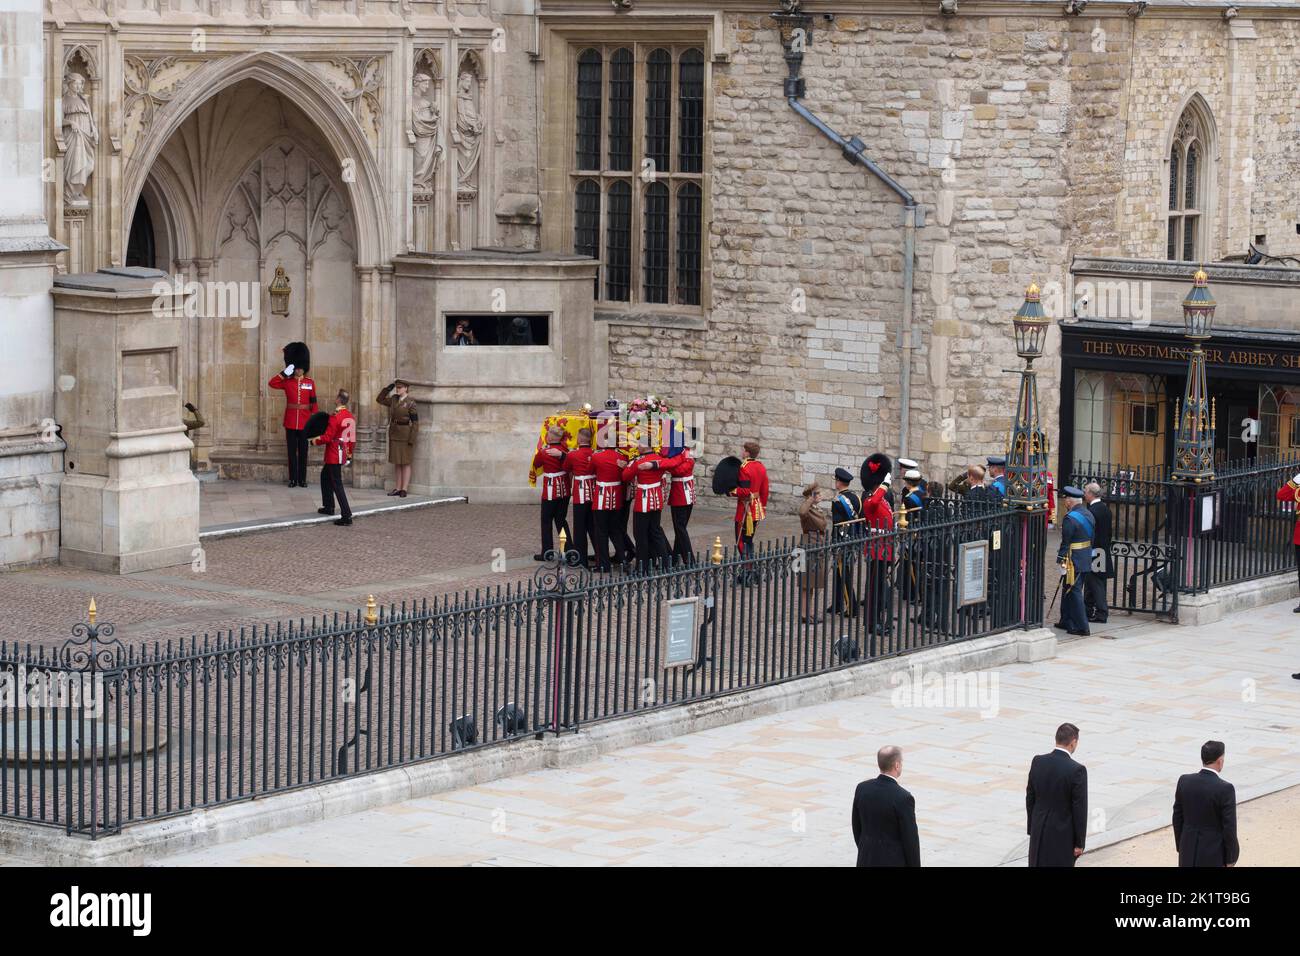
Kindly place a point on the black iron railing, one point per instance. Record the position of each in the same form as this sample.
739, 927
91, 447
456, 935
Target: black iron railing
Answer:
164, 730
1179, 537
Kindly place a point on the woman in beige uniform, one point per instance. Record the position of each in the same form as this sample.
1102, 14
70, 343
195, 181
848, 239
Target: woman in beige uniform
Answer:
813, 523
403, 425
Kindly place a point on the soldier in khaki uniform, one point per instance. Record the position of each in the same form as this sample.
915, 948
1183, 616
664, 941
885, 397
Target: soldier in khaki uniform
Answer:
403, 425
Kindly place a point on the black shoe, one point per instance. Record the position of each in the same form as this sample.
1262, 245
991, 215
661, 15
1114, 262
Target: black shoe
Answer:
344, 522
324, 511
393, 493
1296, 609
291, 484
1060, 626
1078, 633
1295, 676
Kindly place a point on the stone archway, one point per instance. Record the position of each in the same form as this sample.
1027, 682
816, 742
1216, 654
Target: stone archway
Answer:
247, 183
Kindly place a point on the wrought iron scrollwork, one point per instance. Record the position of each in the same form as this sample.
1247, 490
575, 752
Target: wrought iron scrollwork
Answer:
562, 574
89, 648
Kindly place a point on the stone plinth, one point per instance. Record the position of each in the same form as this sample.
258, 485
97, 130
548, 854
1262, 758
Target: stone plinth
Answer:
129, 501
481, 405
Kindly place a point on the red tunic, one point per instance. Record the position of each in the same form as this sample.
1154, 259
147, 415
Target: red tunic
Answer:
340, 437
681, 478
299, 399
555, 478
608, 464
878, 519
1291, 492
583, 473
752, 491
648, 490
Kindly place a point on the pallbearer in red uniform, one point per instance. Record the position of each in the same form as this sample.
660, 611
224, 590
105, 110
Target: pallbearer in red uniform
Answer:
647, 505
340, 439
555, 490
582, 477
679, 470
878, 523
751, 508
299, 403
609, 518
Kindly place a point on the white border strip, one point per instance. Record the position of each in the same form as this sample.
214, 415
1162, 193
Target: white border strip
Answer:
321, 519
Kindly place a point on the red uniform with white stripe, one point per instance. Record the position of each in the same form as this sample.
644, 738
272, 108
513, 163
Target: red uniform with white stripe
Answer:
340, 437
608, 465
1291, 492
583, 474
680, 471
554, 477
647, 486
299, 399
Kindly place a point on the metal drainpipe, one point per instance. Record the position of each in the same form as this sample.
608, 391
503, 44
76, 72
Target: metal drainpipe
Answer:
854, 151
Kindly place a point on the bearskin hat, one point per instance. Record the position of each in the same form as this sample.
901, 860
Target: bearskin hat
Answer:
874, 469
298, 355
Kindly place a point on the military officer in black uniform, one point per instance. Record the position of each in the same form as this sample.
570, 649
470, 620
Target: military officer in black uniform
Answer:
846, 509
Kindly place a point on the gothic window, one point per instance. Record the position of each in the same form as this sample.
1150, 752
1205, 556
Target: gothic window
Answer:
638, 176
1187, 228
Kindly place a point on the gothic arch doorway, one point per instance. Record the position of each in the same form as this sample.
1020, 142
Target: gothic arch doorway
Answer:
247, 182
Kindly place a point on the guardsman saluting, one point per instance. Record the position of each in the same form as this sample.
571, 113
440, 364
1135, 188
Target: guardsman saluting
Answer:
299, 403
647, 490
555, 490
340, 439
1075, 558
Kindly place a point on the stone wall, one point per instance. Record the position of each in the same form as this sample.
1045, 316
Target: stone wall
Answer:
1028, 141
31, 452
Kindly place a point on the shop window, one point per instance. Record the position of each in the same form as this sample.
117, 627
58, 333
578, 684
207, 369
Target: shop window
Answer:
1142, 420
1119, 418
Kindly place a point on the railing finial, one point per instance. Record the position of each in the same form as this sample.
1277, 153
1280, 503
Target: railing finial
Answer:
372, 613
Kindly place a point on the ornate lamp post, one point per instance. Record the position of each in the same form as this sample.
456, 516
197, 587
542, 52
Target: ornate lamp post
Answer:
1194, 417
1027, 451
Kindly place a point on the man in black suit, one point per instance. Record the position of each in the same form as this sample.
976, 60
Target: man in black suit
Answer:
1056, 802
884, 816
1094, 585
1205, 813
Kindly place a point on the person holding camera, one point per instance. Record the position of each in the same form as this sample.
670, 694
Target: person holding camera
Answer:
403, 427
462, 334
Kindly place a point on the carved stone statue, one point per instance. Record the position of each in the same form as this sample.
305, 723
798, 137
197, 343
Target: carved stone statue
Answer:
81, 136
425, 123
468, 133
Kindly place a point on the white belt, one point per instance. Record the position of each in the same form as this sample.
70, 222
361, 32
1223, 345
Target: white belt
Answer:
553, 476
583, 477
607, 484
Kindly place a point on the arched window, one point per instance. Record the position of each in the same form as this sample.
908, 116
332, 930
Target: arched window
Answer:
1188, 228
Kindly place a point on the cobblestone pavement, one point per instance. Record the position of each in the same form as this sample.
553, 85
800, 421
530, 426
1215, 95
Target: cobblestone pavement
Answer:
272, 576
225, 503
777, 790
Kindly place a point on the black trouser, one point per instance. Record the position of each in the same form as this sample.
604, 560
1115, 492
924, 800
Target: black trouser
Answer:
877, 594
1094, 597
682, 550
331, 487
606, 530
582, 529
296, 440
651, 542
845, 599
745, 542
554, 518
624, 546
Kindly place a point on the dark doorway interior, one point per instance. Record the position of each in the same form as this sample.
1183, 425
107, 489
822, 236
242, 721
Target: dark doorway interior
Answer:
1234, 402
140, 244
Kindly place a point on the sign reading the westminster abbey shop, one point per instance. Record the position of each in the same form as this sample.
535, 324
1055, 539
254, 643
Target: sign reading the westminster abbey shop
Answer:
1148, 350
